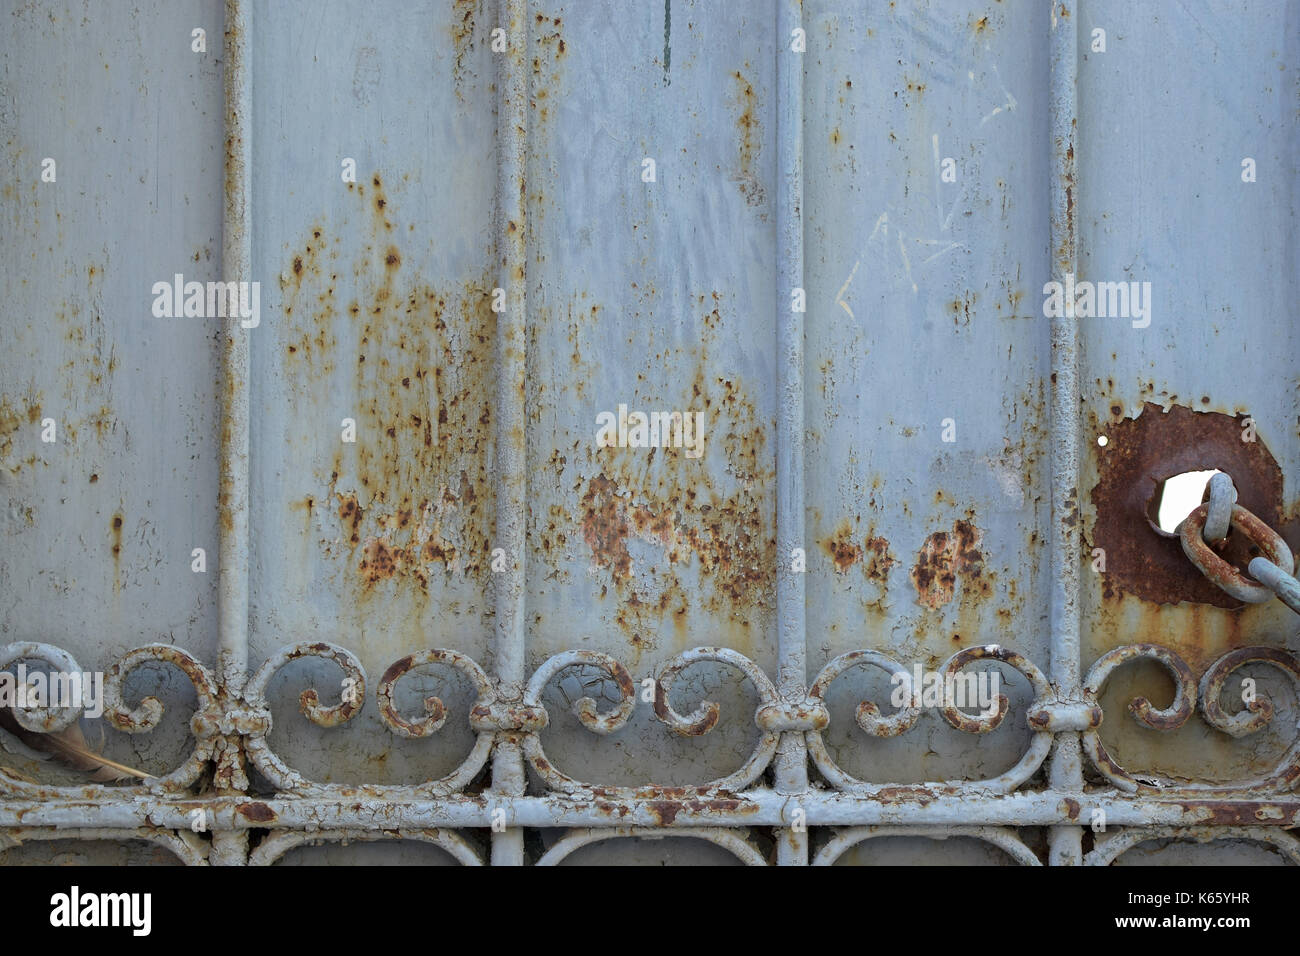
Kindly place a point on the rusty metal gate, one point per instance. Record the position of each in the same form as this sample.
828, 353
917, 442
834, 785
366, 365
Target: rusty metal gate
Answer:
386, 555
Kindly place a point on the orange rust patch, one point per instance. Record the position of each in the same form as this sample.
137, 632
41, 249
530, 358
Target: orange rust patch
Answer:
709, 541
879, 559
945, 557
256, 812
1141, 453
605, 526
842, 549
377, 561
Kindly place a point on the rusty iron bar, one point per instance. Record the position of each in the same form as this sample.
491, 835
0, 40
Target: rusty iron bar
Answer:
1286, 587
233, 543
791, 767
1066, 767
666, 810
511, 477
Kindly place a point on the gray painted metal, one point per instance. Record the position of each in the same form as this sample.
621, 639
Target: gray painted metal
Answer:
920, 435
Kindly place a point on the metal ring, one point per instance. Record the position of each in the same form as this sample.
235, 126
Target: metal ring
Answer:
1222, 495
1219, 572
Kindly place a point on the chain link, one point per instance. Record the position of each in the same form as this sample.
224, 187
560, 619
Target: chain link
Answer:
1210, 522
1278, 581
1222, 495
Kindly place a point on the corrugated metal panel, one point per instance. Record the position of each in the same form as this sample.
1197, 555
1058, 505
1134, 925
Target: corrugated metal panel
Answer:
922, 431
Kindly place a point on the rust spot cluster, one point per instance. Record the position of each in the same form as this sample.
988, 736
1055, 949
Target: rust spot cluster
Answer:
749, 141
12, 419
945, 558
663, 533
873, 552
416, 365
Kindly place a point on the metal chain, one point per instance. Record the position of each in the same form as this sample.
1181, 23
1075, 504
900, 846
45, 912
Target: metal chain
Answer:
1273, 573
1223, 496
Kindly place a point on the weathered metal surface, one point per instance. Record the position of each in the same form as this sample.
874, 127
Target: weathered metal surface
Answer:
582, 648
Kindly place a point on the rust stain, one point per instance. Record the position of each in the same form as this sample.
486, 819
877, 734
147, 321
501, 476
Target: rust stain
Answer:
605, 526
550, 53
12, 417
256, 812
115, 538
415, 363
462, 39
962, 309
750, 141
726, 540
1140, 454
842, 549
943, 559
879, 559
670, 535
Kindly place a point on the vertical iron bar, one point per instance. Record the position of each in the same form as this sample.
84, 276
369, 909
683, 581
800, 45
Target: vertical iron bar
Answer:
231, 847
791, 767
1066, 770
508, 776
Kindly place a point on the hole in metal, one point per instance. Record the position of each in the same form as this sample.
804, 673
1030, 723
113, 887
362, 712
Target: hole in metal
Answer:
1178, 496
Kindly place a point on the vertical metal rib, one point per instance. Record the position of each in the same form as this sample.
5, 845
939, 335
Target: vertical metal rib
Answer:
791, 771
511, 461
1066, 771
232, 548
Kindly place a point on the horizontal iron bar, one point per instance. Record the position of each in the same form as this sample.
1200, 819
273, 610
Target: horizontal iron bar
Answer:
895, 806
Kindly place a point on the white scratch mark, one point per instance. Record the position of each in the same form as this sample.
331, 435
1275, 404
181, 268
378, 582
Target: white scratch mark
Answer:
1009, 106
938, 177
839, 296
906, 263
948, 248
883, 220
